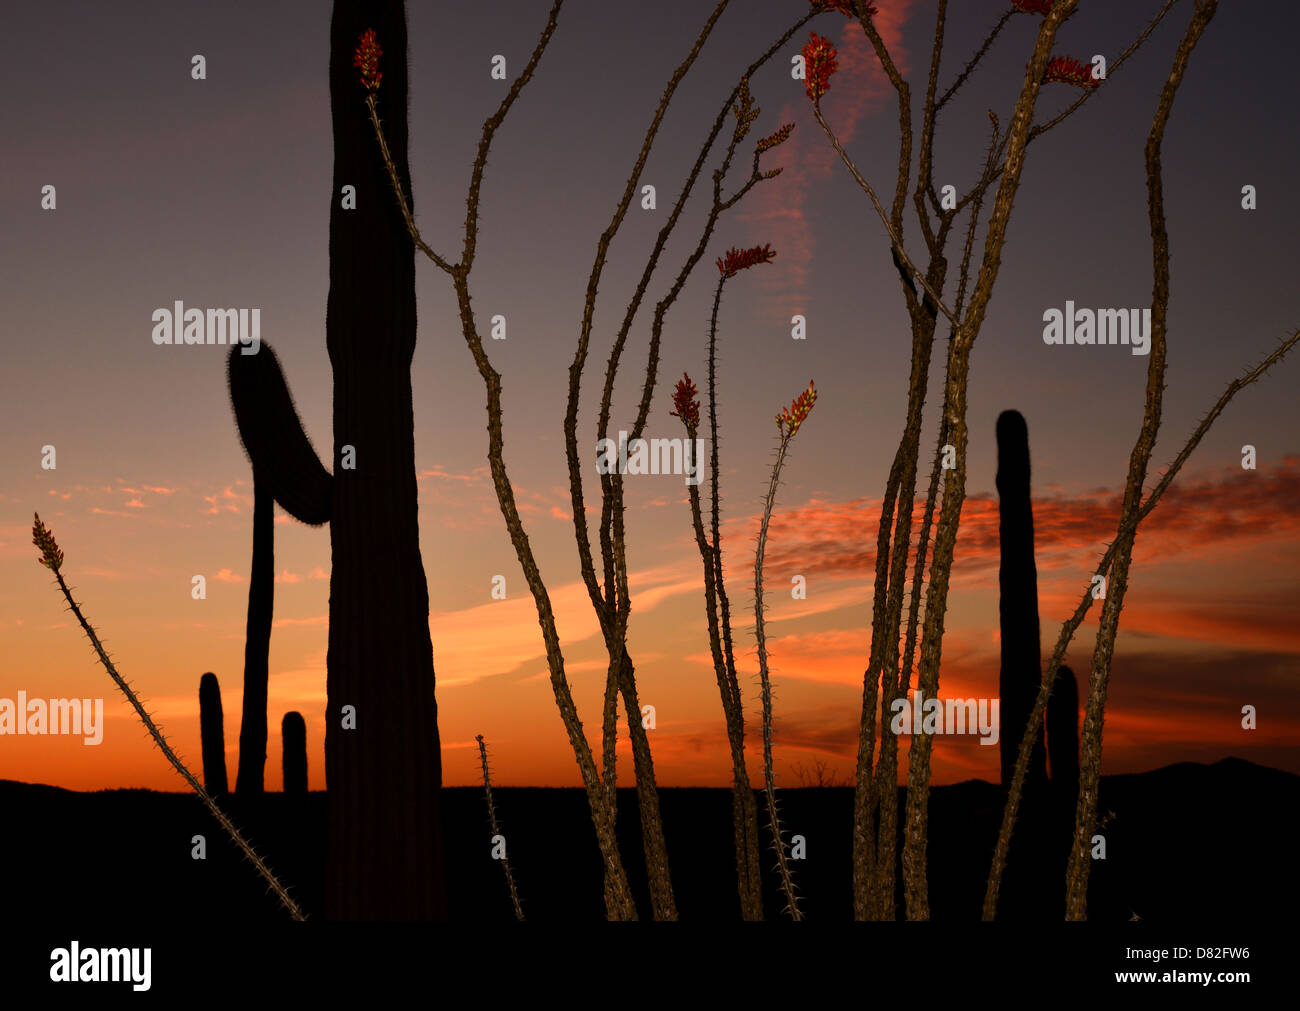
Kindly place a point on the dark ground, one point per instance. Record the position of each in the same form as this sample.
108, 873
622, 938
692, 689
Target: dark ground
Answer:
1183, 842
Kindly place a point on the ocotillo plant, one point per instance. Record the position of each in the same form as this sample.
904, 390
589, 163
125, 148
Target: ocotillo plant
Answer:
383, 763
744, 815
611, 603
787, 422
496, 829
874, 854
52, 559
293, 762
717, 603
212, 732
1021, 670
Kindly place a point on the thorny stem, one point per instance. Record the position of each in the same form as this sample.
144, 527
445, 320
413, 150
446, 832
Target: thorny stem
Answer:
975, 60
496, 829
993, 174
744, 815
402, 204
618, 897
894, 239
267, 875
715, 491
769, 779
916, 887
1076, 901
614, 608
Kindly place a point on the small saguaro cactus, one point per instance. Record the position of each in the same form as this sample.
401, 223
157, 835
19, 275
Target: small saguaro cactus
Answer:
212, 727
293, 738
1062, 720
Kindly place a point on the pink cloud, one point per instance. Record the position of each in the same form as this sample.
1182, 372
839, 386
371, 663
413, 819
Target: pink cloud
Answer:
775, 212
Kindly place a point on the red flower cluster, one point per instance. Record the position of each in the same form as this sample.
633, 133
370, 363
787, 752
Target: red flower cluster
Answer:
1068, 70
819, 63
51, 556
686, 400
774, 139
1032, 6
799, 409
737, 260
845, 7
366, 59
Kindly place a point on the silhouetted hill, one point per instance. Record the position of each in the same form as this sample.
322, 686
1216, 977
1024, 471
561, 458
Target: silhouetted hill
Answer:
1171, 837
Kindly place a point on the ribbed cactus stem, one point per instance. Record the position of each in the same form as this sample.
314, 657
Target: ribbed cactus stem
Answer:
383, 762
1021, 671
293, 740
212, 731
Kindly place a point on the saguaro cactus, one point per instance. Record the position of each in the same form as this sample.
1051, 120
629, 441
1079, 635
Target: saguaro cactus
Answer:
257, 643
293, 738
383, 764
212, 729
1021, 671
1062, 721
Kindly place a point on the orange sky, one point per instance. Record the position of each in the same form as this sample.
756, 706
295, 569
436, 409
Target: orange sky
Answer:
166, 192
1214, 578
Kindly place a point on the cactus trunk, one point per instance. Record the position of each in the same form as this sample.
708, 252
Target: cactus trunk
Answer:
212, 729
257, 643
384, 773
1021, 671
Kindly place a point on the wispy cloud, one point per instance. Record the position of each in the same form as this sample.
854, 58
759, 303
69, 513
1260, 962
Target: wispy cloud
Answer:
777, 212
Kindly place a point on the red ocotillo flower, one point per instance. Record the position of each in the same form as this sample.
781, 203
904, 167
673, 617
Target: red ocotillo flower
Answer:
1032, 6
737, 260
687, 403
1068, 70
799, 409
43, 538
366, 59
774, 139
819, 63
845, 7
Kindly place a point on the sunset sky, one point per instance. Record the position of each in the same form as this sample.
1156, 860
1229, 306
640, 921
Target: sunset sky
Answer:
217, 193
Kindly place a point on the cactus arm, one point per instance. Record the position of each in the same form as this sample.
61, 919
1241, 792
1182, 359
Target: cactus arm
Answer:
212, 730
274, 439
293, 737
